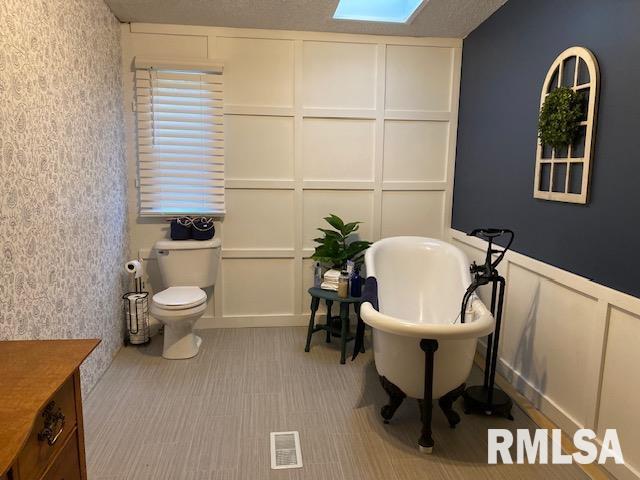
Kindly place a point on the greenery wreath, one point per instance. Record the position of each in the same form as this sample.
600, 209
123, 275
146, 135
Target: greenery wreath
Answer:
560, 117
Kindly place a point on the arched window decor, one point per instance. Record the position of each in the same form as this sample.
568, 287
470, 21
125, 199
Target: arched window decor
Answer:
562, 172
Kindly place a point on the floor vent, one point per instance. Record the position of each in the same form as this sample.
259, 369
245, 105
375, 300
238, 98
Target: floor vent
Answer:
285, 450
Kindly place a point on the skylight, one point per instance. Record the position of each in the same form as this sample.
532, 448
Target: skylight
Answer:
393, 11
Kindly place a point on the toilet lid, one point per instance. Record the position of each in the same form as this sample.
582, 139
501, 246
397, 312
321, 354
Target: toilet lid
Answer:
175, 298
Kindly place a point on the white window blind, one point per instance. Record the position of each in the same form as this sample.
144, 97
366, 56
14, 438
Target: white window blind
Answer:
180, 139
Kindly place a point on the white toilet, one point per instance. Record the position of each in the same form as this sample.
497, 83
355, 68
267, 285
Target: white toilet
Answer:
186, 267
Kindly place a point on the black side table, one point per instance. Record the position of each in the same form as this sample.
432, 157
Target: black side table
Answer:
330, 325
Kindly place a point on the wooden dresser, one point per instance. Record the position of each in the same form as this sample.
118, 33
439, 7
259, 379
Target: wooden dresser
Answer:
41, 433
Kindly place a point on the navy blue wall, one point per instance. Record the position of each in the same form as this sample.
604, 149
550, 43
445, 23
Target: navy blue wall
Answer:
504, 64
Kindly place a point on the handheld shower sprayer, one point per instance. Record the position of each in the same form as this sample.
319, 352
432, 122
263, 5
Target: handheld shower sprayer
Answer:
486, 273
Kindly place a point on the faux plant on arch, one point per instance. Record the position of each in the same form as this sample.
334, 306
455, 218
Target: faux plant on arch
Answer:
560, 115
566, 127
339, 245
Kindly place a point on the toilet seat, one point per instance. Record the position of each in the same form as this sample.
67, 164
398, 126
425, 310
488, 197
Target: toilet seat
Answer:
179, 298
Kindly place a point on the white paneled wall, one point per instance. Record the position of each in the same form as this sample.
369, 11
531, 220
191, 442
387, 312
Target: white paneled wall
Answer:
258, 72
338, 149
405, 145
572, 347
339, 75
621, 387
419, 79
272, 141
360, 126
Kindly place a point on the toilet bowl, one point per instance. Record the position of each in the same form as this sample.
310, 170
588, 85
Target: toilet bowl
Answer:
186, 267
178, 308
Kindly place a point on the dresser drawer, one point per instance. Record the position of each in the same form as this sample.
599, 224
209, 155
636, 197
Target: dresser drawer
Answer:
67, 465
53, 426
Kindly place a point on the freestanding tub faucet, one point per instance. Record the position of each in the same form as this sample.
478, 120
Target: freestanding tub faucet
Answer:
487, 398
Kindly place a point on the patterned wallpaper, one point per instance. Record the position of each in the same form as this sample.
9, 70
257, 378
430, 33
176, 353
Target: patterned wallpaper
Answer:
63, 234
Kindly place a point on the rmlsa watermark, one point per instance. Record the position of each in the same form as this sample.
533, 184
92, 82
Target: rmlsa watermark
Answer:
532, 446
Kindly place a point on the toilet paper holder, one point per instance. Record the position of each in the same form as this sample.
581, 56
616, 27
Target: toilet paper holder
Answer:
136, 317
135, 307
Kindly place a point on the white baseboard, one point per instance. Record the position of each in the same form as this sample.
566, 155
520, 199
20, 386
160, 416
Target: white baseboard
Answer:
541, 401
253, 321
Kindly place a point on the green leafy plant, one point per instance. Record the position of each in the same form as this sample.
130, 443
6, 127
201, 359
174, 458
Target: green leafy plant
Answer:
560, 116
339, 245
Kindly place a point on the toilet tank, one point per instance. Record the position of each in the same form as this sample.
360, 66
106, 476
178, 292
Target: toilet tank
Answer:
188, 263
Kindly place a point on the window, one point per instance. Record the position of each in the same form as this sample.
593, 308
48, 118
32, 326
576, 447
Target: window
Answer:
390, 11
563, 175
180, 138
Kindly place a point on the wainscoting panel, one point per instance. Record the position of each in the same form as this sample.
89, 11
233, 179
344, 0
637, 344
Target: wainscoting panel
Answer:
193, 46
620, 385
270, 153
266, 285
427, 87
338, 75
256, 71
347, 204
338, 149
316, 123
542, 315
415, 151
412, 213
571, 347
259, 219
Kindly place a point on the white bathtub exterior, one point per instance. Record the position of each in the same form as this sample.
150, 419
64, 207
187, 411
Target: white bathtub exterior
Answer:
421, 282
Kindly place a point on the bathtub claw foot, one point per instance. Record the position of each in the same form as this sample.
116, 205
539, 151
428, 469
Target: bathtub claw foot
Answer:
453, 418
427, 450
446, 404
425, 444
387, 413
396, 397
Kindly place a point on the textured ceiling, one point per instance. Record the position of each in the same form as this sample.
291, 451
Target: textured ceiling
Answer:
439, 18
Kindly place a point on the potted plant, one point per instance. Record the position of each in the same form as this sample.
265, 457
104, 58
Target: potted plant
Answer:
340, 244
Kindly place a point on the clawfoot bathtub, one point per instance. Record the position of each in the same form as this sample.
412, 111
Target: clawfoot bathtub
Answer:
422, 348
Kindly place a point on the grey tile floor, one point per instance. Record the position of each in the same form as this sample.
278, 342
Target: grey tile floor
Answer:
209, 417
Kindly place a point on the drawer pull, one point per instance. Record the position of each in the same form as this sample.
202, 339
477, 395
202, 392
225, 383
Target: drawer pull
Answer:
53, 424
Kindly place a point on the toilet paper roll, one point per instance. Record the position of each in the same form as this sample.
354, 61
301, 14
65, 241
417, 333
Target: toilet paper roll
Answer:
135, 307
134, 267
